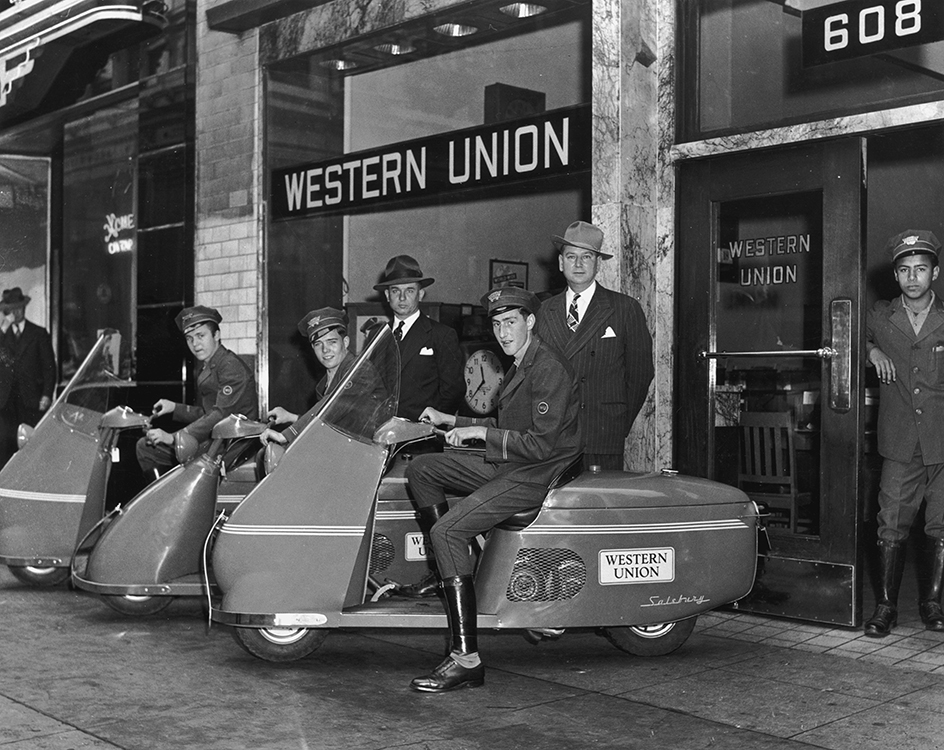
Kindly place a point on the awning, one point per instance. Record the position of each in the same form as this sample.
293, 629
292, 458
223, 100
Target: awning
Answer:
29, 25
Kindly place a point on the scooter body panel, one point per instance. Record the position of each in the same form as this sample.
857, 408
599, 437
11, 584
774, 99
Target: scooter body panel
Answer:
158, 536
299, 541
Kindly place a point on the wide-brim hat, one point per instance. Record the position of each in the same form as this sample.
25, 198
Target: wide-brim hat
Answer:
402, 269
190, 317
504, 298
584, 235
913, 242
323, 319
13, 298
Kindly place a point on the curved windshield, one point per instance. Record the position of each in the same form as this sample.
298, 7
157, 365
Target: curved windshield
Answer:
367, 396
91, 392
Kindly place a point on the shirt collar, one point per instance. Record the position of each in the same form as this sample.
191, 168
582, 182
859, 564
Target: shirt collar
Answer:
407, 322
585, 296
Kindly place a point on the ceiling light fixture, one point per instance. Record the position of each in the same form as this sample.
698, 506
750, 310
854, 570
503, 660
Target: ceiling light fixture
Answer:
339, 64
395, 49
523, 10
455, 29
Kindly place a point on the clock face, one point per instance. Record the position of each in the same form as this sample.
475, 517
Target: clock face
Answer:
483, 377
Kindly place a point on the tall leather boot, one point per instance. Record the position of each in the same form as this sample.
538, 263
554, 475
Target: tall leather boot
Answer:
428, 585
930, 605
891, 557
459, 597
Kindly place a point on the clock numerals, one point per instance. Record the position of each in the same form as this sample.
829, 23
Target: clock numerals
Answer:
483, 378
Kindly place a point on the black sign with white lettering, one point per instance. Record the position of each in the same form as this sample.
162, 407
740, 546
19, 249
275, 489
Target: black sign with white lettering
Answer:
553, 143
857, 28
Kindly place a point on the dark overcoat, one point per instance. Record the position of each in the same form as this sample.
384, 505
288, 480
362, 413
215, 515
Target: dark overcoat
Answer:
430, 369
34, 365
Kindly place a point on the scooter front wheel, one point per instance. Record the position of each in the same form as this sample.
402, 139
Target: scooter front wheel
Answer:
651, 640
279, 644
36, 576
137, 606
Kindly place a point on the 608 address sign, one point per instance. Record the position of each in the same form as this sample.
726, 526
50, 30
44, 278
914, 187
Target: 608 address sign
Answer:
843, 31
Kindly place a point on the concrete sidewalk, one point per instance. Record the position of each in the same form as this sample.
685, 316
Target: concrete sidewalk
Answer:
76, 675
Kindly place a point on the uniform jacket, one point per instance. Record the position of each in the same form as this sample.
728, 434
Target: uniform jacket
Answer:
537, 430
430, 369
34, 364
225, 385
611, 354
321, 390
911, 408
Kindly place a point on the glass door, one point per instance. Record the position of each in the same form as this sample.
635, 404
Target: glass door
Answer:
770, 260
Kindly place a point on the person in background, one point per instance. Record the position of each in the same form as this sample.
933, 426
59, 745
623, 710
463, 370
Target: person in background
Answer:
905, 345
225, 385
31, 367
604, 336
535, 436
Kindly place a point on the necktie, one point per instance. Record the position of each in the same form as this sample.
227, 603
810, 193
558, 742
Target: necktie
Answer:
573, 317
398, 332
17, 331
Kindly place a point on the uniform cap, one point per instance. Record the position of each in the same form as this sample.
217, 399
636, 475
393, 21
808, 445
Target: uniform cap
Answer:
584, 235
194, 316
402, 269
913, 242
504, 298
318, 321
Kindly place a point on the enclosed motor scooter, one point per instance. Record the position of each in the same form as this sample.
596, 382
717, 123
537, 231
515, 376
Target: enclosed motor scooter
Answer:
634, 556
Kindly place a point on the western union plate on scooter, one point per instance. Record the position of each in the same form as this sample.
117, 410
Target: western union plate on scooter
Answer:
624, 566
299, 620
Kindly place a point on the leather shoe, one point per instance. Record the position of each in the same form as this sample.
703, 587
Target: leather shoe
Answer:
425, 588
932, 615
450, 675
882, 621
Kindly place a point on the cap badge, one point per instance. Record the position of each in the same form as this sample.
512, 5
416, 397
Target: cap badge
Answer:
910, 240
494, 295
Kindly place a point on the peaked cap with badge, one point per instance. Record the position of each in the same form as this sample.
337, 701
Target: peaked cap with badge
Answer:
504, 298
913, 242
190, 317
321, 320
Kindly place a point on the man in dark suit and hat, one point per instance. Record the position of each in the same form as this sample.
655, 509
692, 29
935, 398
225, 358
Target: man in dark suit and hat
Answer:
225, 386
535, 436
604, 335
905, 344
33, 381
430, 360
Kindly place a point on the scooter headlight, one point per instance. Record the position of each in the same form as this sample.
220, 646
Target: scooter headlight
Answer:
23, 434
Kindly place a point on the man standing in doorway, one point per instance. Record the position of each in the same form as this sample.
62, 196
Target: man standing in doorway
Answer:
905, 344
225, 385
430, 361
34, 367
604, 335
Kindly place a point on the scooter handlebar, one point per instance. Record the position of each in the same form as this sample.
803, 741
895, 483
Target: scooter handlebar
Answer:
398, 430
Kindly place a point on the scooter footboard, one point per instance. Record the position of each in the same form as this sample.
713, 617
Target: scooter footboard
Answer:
612, 567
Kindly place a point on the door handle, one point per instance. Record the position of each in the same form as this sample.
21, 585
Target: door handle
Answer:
824, 352
840, 364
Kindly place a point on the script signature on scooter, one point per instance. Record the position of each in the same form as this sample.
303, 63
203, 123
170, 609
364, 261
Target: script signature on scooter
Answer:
666, 601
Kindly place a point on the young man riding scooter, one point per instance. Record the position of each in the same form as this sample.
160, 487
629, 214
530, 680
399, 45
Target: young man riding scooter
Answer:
535, 436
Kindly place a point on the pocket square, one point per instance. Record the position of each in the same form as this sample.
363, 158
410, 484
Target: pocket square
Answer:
426, 351
609, 333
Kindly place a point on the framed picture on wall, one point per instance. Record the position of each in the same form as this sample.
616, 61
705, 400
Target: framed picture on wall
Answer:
507, 273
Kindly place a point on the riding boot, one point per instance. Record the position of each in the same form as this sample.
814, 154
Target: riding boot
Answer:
930, 605
891, 556
459, 596
428, 585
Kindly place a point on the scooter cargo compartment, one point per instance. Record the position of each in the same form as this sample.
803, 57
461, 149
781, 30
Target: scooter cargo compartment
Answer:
621, 489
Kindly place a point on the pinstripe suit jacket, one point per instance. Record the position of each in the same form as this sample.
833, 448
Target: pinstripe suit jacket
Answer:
611, 354
911, 407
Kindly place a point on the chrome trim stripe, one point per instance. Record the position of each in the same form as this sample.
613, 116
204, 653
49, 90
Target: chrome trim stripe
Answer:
47, 497
396, 515
639, 528
266, 530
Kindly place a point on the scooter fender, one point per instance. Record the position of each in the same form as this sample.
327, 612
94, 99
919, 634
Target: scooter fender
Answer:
621, 550
158, 536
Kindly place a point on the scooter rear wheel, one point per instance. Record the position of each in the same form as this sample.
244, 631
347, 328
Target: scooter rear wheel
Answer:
36, 576
651, 640
137, 606
279, 644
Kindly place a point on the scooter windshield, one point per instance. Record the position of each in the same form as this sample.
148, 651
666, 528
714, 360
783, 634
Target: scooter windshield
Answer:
91, 392
368, 393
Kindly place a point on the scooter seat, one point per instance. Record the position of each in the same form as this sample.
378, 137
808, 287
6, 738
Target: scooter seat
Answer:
524, 518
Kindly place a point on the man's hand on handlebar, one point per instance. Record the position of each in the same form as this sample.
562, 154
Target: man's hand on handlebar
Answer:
278, 415
156, 436
272, 436
161, 407
460, 436
438, 418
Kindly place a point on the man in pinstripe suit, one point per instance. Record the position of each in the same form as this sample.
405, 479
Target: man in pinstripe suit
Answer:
604, 335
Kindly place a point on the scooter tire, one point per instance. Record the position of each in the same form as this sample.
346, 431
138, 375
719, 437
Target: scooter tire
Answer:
32, 575
137, 606
651, 640
279, 644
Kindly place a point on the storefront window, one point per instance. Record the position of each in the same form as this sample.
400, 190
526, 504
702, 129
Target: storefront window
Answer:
751, 64
471, 150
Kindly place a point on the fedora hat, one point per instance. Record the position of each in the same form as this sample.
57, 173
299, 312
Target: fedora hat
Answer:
13, 298
402, 269
584, 235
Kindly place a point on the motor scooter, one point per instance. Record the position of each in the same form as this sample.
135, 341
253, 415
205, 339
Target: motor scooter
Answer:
636, 557
142, 555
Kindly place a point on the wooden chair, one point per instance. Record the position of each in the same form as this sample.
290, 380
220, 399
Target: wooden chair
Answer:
767, 466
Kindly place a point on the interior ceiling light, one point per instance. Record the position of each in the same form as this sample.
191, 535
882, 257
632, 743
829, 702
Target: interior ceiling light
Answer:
339, 64
395, 49
523, 10
455, 29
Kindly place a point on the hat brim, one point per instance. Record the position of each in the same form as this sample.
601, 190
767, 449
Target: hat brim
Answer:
7, 306
560, 242
196, 323
424, 282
